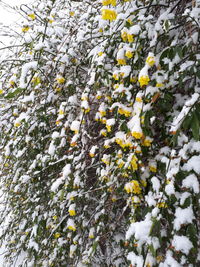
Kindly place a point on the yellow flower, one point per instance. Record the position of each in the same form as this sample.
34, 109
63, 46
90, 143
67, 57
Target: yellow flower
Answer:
100, 53
133, 79
17, 124
57, 235
130, 38
92, 155
159, 84
100, 30
32, 16
108, 128
124, 36
150, 60
102, 112
60, 80
137, 135
1, 91
162, 205
72, 212
25, 29
108, 14
71, 227
61, 112
130, 21
152, 168
55, 217
121, 61
115, 77
138, 99
144, 80
109, 2
104, 133
129, 54
133, 187
147, 142
58, 89
134, 164
71, 13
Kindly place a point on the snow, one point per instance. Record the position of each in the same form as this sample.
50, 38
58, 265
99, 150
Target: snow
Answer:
25, 69
182, 243
135, 260
191, 182
183, 216
192, 164
155, 183
140, 230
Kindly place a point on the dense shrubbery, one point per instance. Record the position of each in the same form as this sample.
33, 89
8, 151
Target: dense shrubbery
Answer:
100, 134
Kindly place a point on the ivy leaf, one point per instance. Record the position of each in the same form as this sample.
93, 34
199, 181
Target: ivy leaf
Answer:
195, 126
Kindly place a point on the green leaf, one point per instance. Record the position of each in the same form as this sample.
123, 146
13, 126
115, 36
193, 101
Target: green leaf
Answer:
14, 93
195, 126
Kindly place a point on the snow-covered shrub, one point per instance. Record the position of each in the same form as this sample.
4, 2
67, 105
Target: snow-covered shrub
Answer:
100, 134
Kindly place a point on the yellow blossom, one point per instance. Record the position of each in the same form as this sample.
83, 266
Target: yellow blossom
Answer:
152, 168
121, 61
92, 155
100, 53
1, 91
162, 205
61, 112
147, 142
134, 164
150, 60
124, 36
102, 112
133, 79
138, 99
71, 227
104, 133
25, 29
129, 54
108, 128
137, 135
115, 77
133, 187
108, 14
73, 144
100, 30
58, 89
71, 13
58, 122
130, 21
130, 38
144, 80
159, 85
32, 16
57, 235
109, 2
17, 124
60, 80
55, 217
72, 212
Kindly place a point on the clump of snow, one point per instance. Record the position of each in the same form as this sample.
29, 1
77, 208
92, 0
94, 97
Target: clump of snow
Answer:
193, 164
183, 216
135, 260
182, 243
140, 230
191, 182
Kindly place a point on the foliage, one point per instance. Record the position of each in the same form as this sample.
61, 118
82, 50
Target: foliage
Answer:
100, 134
